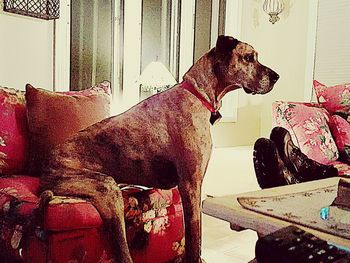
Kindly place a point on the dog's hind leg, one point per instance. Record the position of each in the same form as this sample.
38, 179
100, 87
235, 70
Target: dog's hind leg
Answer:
104, 193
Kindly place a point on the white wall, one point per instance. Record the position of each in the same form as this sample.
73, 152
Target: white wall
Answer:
26, 51
282, 47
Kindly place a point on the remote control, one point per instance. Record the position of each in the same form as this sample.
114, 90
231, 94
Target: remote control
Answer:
294, 245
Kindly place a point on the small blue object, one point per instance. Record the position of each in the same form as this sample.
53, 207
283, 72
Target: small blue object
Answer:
324, 213
346, 249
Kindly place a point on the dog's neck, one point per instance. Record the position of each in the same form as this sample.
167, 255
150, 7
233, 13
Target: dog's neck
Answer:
202, 77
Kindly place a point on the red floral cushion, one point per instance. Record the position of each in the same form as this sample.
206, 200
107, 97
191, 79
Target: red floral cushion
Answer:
341, 133
335, 99
13, 131
309, 129
53, 117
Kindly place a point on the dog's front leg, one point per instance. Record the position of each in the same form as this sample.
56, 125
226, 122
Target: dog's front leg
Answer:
191, 196
105, 195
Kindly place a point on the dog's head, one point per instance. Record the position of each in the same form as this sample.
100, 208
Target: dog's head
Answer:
236, 65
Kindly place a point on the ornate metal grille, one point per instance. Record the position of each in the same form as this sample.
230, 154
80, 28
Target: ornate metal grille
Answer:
45, 9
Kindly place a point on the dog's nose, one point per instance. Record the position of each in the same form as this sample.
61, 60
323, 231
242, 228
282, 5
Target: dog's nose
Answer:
274, 77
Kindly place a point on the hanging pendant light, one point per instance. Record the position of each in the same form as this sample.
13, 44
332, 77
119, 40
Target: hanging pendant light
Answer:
273, 8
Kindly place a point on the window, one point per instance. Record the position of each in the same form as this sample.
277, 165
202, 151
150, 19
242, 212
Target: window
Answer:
91, 43
116, 39
332, 59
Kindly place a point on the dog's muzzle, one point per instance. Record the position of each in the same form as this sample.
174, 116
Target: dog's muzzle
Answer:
270, 82
265, 84
273, 77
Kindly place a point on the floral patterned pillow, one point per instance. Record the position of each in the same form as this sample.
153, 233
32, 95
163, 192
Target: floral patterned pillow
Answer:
13, 131
335, 99
309, 129
341, 133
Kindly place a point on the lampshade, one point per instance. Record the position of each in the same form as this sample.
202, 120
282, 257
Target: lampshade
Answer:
156, 77
273, 8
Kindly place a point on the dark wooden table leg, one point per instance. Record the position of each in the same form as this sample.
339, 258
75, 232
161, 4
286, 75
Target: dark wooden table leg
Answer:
235, 227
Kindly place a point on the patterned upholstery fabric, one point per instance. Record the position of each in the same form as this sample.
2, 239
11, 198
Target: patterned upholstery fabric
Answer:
153, 220
13, 131
343, 168
341, 132
335, 99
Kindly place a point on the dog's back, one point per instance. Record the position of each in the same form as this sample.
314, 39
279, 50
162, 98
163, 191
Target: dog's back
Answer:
140, 146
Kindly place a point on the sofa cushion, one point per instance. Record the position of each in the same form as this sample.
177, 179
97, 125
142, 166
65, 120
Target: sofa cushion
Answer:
13, 131
53, 117
335, 99
340, 129
309, 129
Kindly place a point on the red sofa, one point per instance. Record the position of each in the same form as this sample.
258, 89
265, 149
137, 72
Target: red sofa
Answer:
71, 230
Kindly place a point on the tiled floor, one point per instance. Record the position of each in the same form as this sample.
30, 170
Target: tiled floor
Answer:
222, 245
230, 171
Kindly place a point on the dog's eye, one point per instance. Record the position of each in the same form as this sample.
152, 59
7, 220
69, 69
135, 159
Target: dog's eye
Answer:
249, 58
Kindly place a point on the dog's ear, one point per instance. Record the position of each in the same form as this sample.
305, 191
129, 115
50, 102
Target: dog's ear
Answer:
225, 44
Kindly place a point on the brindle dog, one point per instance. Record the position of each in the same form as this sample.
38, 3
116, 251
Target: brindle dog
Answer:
163, 142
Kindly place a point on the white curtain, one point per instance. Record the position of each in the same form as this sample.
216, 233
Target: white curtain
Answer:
91, 43
332, 63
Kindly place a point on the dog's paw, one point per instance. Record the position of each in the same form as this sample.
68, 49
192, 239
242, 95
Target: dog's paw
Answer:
45, 198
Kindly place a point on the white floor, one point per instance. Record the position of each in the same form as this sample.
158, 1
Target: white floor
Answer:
222, 245
230, 171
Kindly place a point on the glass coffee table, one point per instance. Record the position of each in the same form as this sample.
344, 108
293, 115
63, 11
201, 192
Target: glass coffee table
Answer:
229, 209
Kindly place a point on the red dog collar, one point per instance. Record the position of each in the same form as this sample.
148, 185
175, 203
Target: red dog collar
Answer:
186, 85
215, 115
